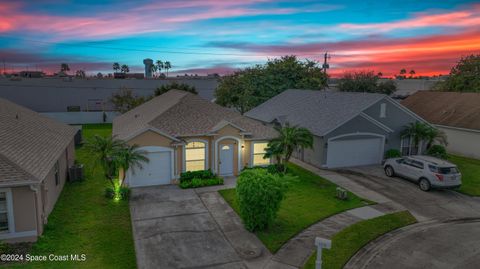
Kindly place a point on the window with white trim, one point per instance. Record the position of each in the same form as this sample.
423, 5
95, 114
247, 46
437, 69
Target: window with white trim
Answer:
195, 156
408, 146
383, 110
258, 153
4, 227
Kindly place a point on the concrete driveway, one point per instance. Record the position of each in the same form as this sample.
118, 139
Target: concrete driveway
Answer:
173, 229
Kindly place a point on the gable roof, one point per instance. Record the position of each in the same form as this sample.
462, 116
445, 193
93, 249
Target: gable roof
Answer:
30, 143
318, 111
179, 114
455, 109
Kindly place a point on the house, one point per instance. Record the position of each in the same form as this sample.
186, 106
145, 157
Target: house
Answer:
35, 154
457, 114
181, 132
350, 129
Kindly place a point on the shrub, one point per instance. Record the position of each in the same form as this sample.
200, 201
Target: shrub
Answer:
109, 192
124, 193
438, 151
393, 153
199, 182
259, 196
202, 174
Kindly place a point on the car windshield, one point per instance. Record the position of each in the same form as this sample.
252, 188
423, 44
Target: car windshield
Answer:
447, 170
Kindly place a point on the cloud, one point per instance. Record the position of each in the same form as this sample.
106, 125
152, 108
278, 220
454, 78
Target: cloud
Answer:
218, 69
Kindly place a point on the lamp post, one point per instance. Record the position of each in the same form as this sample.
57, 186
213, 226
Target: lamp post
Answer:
321, 243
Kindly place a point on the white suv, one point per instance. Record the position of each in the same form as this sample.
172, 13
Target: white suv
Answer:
427, 171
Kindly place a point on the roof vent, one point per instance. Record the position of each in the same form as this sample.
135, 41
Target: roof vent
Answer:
16, 116
136, 115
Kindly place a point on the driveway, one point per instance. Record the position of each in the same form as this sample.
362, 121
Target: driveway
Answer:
172, 228
433, 205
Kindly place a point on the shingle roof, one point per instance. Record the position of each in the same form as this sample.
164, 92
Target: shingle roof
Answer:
181, 114
319, 111
30, 143
454, 109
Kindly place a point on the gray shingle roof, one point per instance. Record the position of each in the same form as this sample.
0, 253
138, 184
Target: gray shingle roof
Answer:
181, 114
30, 143
319, 111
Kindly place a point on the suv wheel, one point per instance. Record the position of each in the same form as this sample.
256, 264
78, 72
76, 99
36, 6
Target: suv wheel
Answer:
389, 171
424, 184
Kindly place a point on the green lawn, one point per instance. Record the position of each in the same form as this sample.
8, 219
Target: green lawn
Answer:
309, 199
85, 222
350, 240
470, 169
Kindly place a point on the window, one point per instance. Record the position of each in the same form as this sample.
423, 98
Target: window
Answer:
408, 146
195, 153
57, 177
383, 110
258, 153
3, 212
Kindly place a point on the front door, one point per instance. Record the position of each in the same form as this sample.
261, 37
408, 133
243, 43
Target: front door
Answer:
226, 159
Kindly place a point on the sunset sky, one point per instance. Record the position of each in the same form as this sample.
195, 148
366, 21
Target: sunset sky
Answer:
208, 36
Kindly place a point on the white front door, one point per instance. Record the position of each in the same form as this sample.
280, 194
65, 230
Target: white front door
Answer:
226, 159
354, 152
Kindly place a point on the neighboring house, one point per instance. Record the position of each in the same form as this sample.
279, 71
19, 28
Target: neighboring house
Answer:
350, 129
457, 114
35, 153
184, 132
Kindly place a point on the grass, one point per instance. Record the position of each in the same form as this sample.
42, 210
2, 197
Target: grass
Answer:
308, 200
350, 240
470, 169
85, 222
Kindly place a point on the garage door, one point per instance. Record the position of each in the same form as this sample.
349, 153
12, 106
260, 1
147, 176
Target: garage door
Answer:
355, 152
158, 171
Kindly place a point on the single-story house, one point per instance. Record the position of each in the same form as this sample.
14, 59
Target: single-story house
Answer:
350, 129
455, 113
35, 154
182, 132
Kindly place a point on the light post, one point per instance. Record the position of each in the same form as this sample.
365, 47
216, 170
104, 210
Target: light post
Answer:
321, 243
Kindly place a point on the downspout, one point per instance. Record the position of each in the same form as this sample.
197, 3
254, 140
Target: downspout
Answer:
36, 189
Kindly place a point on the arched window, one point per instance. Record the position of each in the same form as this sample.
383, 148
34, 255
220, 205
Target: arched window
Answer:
195, 156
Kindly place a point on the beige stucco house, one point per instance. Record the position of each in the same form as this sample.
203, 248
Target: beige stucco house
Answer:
182, 132
457, 114
35, 153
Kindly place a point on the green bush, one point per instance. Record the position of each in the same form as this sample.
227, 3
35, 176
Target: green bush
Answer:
259, 196
199, 182
109, 192
438, 151
201, 174
393, 153
124, 193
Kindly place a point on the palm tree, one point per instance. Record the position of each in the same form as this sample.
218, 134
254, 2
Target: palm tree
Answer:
153, 69
116, 67
160, 65
290, 138
433, 135
380, 74
64, 67
403, 71
129, 157
125, 69
167, 66
412, 72
104, 149
423, 132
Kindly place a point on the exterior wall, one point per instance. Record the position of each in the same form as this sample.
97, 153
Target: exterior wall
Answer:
396, 119
24, 209
246, 154
150, 138
314, 156
462, 142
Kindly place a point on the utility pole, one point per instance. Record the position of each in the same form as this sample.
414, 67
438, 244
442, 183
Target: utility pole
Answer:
325, 65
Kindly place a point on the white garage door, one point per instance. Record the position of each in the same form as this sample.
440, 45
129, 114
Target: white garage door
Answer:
342, 153
158, 171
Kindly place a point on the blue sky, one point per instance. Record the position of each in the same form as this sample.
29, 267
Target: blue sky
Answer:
222, 36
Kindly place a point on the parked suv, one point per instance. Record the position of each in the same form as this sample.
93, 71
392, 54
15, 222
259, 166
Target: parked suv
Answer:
427, 171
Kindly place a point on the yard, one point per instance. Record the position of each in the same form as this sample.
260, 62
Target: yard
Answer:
85, 222
309, 199
350, 240
470, 169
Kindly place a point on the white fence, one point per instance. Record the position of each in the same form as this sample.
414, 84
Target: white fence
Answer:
82, 117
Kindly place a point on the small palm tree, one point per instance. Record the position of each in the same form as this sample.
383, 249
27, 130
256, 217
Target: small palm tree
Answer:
403, 71
167, 66
116, 67
104, 149
160, 65
433, 135
412, 72
423, 132
153, 69
125, 69
64, 67
129, 157
290, 138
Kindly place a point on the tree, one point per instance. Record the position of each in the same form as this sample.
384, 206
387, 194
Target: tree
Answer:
379, 74
167, 66
403, 71
364, 81
80, 74
464, 77
116, 67
420, 131
99, 75
175, 86
153, 69
129, 157
412, 73
290, 138
103, 150
247, 88
124, 100
160, 65
64, 67
125, 69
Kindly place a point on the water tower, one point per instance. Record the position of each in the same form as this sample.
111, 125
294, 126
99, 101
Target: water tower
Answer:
148, 67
